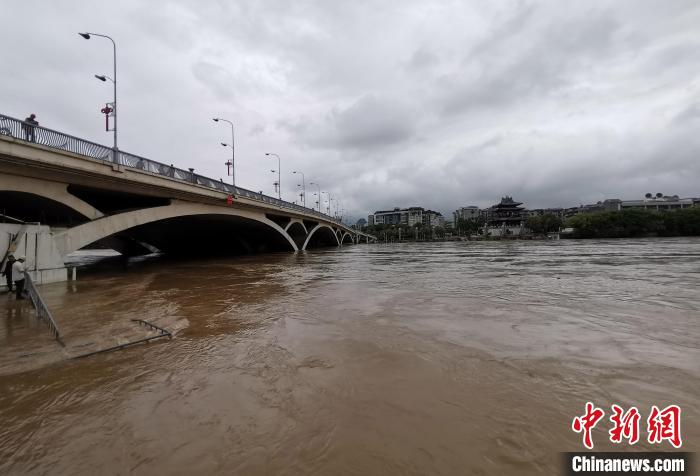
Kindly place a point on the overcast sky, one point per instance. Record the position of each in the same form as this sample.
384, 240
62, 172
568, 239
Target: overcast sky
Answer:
438, 104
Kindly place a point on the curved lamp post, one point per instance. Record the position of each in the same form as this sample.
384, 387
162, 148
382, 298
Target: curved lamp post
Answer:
303, 183
328, 209
114, 81
233, 150
279, 175
319, 194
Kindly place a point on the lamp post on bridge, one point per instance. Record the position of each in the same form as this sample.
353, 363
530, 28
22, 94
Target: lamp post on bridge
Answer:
319, 195
279, 175
233, 150
338, 206
303, 184
115, 156
328, 209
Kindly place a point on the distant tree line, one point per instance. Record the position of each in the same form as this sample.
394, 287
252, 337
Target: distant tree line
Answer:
636, 222
417, 232
538, 225
469, 226
543, 224
626, 223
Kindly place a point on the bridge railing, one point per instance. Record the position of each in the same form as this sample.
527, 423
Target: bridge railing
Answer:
26, 131
42, 310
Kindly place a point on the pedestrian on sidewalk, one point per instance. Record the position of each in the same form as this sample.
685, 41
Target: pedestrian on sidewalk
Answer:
7, 272
28, 126
18, 276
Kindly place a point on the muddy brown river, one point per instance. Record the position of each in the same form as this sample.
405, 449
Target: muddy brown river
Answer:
443, 358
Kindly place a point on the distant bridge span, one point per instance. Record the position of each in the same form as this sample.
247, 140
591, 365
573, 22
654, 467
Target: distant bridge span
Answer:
81, 196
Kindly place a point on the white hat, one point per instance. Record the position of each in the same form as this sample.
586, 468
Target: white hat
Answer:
22, 258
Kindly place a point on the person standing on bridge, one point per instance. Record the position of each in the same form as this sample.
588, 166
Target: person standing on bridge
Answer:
7, 272
18, 276
28, 126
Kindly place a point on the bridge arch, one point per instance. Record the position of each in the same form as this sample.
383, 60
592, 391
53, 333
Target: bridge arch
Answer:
297, 232
347, 235
327, 230
80, 236
296, 222
54, 191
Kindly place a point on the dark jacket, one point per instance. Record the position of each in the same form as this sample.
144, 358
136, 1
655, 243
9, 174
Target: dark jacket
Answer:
8, 268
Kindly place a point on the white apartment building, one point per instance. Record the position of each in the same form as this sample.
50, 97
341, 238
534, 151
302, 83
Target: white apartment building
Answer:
406, 216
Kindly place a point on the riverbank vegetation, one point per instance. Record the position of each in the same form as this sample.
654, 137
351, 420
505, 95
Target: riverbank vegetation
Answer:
636, 222
417, 232
543, 224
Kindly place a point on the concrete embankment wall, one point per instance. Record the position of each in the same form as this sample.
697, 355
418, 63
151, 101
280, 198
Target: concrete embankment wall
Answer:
43, 259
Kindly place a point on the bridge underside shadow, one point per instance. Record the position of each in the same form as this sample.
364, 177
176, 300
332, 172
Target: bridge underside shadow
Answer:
33, 208
297, 233
208, 235
322, 236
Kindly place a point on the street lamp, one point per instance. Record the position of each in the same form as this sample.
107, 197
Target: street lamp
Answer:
328, 209
114, 81
337, 206
279, 175
233, 150
303, 183
319, 195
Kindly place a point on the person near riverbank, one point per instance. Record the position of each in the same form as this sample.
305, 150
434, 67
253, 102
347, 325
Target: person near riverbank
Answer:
7, 272
18, 276
28, 126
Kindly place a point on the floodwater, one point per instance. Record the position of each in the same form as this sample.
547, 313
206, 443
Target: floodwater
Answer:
444, 358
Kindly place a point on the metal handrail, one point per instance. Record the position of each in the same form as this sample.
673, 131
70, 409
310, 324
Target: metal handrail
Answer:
42, 310
150, 325
162, 333
26, 131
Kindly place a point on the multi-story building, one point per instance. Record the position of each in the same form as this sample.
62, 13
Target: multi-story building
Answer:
433, 219
466, 213
537, 212
413, 215
659, 203
506, 218
406, 216
385, 217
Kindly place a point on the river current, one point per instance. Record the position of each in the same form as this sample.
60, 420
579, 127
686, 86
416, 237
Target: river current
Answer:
433, 358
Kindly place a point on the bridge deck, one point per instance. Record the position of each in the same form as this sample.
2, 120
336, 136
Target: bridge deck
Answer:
141, 172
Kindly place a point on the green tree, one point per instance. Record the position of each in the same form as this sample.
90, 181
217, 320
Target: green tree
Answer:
544, 224
469, 226
628, 223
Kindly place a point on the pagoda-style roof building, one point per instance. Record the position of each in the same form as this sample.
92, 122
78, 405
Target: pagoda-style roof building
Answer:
507, 214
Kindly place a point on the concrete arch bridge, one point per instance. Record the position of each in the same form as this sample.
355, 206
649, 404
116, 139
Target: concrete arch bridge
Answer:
59, 194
